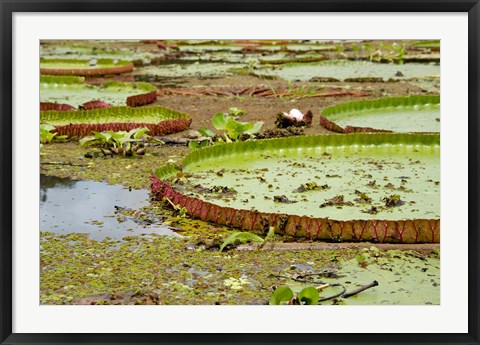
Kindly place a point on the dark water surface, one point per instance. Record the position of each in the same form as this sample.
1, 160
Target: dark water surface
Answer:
68, 206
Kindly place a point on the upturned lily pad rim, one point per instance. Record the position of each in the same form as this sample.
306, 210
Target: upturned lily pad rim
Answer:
312, 141
77, 81
62, 79
103, 67
105, 62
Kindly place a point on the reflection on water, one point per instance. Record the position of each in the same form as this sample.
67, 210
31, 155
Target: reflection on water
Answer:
68, 206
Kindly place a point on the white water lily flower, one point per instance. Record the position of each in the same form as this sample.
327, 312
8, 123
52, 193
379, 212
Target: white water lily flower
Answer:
295, 114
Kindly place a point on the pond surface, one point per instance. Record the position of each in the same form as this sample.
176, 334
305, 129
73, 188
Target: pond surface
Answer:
68, 206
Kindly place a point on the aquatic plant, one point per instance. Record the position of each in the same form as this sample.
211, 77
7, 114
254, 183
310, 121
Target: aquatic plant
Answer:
206, 133
92, 67
159, 120
291, 221
235, 112
284, 293
242, 237
47, 136
233, 128
121, 142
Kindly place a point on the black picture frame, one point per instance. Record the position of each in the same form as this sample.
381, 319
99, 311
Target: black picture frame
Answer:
8, 7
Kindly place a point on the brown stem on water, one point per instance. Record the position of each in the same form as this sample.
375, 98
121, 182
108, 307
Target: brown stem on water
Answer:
360, 289
169, 201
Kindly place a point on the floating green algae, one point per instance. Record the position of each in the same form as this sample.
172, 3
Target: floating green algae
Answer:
76, 269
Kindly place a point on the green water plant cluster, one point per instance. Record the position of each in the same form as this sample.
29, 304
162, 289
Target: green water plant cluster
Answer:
121, 142
233, 129
285, 295
47, 136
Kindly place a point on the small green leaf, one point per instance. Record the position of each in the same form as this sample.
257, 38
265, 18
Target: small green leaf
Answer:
219, 121
206, 132
255, 129
242, 237
193, 145
282, 294
309, 295
47, 127
139, 133
88, 141
236, 128
236, 111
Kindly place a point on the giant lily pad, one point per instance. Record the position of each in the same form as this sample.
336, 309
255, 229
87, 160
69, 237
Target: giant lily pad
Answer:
99, 50
351, 71
399, 114
159, 120
188, 70
92, 67
356, 187
61, 89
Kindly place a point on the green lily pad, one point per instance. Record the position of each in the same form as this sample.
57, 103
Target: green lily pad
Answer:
88, 49
357, 173
351, 71
152, 114
79, 67
399, 114
60, 89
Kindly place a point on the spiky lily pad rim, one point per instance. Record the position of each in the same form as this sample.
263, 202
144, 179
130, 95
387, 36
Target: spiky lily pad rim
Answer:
80, 82
61, 79
106, 62
103, 67
386, 103
303, 142
152, 114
